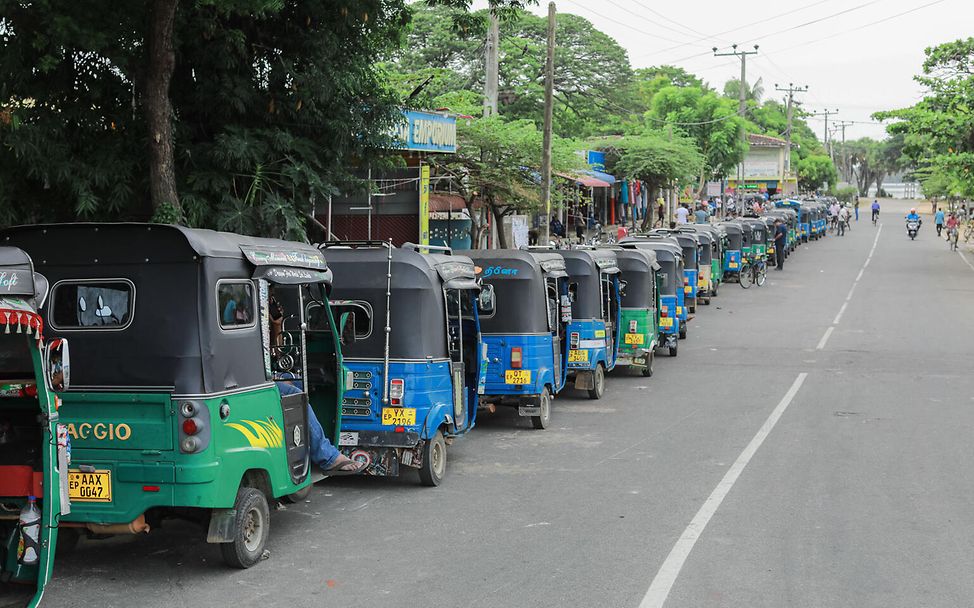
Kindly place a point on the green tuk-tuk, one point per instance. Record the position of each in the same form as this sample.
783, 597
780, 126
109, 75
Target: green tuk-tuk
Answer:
180, 336
33, 479
640, 308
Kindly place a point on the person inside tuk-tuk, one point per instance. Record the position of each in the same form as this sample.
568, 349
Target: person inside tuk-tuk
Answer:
322, 452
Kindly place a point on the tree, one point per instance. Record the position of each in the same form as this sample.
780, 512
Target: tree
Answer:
263, 123
938, 132
655, 158
710, 120
815, 171
732, 90
497, 163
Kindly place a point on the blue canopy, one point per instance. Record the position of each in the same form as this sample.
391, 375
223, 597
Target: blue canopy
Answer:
602, 176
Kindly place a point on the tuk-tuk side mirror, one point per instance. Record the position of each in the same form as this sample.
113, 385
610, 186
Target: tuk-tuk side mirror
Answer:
622, 287
572, 291
58, 364
347, 332
485, 301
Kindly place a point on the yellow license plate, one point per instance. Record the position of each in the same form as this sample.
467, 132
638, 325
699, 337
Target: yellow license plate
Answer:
635, 338
666, 322
679, 310
398, 416
576, 356
688, 289
90, 487
517, 376
599, 333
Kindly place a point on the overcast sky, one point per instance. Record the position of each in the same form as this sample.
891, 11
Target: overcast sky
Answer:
857, 56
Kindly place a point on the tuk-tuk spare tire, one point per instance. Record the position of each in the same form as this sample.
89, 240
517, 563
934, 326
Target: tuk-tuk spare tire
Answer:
544, 419
251, 529
434, 461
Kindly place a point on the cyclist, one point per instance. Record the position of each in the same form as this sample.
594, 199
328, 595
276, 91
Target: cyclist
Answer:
952, 224
875, 211
938, 220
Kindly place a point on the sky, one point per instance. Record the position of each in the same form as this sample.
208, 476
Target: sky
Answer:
857, 56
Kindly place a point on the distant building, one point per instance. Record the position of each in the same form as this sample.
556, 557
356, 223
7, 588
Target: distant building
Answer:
764, 169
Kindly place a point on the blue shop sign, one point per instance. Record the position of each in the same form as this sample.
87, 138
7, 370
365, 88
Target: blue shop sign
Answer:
427, 132
596, 159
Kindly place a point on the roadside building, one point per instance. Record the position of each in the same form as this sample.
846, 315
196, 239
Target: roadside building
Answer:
763, 169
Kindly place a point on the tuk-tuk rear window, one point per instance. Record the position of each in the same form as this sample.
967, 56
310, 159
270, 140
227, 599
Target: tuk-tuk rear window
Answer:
235, 304
92, 304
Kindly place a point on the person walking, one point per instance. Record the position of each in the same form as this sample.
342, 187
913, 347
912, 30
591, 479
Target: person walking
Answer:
780, 242
857, 207
682, 215
701, 215
844, 217
938, 220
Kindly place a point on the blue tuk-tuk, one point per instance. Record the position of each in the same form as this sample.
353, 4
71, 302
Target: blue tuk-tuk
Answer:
417, 371
596, 304
690, 244
733, 251
669, 256
525, 335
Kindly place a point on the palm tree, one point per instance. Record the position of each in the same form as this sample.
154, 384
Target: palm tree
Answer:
754, 93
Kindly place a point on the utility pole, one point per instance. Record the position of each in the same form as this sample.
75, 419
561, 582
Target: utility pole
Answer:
844, 161
742, 102
490, 83
791, 90
549, 104
826, 113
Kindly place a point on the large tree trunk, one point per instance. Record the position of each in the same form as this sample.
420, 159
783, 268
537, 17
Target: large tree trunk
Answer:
498, 214
158, 108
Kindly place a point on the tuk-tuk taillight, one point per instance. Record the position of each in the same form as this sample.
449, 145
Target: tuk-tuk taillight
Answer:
397, 390
192, 426
686, 280
663, 312
516, 357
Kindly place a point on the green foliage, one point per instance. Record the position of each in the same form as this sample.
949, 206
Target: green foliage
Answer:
846, 194
938, 132
732, 90
710, 120
497, 162
654, 158
255, 94
816, 171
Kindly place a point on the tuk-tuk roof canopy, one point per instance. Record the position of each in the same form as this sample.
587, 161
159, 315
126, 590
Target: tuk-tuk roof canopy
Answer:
732, 227
518, 277
129, 243
551, 264
639, 267
666, 251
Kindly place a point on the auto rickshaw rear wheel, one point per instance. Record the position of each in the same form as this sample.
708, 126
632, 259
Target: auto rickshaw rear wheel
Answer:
683, 331
598, 383
251, 528
673, 349
434, 461
541, 421
650, 359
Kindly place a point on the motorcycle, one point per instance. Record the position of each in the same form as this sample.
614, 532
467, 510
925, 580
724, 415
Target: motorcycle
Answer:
912, 227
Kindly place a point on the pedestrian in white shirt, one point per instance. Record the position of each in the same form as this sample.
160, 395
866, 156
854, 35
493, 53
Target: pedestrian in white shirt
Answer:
682, 215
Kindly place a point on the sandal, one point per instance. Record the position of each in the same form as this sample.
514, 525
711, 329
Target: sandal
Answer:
346, 466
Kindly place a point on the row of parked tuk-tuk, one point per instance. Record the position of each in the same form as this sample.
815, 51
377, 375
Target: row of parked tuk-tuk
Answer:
172, 401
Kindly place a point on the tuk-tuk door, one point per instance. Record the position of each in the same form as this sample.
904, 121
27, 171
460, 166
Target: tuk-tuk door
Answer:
556, 325
458, 348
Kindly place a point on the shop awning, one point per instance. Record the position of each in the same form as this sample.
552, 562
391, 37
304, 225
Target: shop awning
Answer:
605, 177
586, 180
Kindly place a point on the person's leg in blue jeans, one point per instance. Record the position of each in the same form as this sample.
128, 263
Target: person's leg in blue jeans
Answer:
323, 453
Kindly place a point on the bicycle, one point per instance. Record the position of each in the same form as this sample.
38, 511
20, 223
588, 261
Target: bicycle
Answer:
875, 217
753, 273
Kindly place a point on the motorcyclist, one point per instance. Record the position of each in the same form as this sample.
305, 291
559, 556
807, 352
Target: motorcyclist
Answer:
914, 217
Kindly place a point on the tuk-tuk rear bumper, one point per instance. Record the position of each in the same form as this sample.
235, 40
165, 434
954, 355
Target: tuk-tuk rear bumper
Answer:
384, 451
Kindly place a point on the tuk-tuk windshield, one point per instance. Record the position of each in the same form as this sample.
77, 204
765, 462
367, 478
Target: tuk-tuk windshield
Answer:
520, 308
669, 281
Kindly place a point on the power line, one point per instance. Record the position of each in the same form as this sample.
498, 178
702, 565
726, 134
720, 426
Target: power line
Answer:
622, 23
746, 25
677, 23
819, 20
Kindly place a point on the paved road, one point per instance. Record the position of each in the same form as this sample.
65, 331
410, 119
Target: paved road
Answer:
860, 495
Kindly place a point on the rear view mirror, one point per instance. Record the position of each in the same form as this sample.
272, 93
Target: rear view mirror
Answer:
622, 287
485, 301
347, 331
57, 363
572, 291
